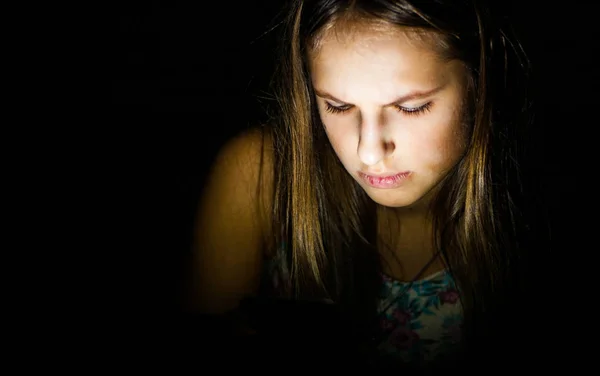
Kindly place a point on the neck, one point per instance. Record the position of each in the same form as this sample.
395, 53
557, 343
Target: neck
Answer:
410, 229
417, 216
406, 243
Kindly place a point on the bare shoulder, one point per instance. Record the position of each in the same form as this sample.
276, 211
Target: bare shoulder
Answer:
233, 223
243, 170
249, 154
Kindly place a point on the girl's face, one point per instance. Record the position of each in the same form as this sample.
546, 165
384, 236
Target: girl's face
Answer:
392, 110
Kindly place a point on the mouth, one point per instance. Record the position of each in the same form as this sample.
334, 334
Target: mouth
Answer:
385, 181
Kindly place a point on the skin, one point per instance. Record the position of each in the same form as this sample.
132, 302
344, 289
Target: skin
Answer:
363, 71
366, 72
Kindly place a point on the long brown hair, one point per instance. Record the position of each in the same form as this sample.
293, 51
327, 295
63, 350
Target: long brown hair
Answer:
326, 220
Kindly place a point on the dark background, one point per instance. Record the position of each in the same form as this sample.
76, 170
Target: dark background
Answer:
189, 74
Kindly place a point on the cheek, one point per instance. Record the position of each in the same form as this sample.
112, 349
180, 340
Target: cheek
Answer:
340, 140
340, 137
443, 145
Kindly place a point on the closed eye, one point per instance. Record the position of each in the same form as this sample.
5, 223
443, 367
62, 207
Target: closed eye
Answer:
415, 111
336, 109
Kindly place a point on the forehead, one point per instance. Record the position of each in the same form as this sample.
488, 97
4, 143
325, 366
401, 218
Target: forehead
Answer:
379, 56
348, 29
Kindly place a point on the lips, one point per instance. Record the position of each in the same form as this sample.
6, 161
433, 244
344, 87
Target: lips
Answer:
385, 181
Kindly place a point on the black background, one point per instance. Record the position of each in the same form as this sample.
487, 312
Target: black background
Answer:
188, 75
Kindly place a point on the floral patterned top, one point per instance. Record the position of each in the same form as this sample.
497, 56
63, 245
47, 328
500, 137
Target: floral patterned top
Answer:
422, 320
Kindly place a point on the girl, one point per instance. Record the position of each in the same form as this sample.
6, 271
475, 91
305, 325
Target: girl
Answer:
386, 183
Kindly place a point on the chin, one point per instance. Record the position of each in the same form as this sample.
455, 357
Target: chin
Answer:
393, 199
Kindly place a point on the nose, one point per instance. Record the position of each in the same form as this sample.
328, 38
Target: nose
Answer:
373, 147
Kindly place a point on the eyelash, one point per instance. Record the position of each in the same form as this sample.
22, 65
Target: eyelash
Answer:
410, 112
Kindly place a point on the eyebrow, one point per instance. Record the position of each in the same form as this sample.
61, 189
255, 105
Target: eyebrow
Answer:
404, 98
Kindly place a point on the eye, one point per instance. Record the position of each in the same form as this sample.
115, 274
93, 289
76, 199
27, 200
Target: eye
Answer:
414, 111
336, 109
410, 111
